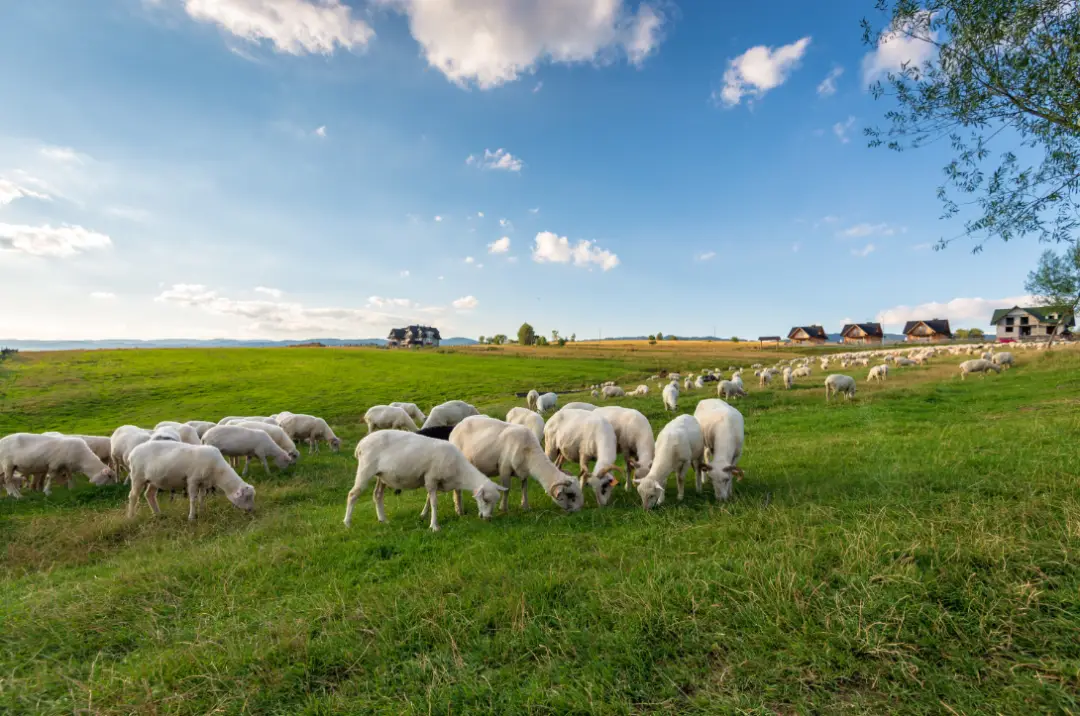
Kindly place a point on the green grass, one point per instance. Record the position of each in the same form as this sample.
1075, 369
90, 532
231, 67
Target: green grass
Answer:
913, 551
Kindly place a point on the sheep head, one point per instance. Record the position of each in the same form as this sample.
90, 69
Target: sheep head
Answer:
651, 492
567, 495
487, 496
244, 497
105, 477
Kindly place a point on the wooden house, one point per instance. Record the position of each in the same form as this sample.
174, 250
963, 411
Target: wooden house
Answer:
1021, 323
862, 333
414, 336
804, 335
930, 331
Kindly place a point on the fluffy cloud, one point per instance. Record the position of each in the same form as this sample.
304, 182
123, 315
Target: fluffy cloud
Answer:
506, 224
861, 231
705, 256
499, 246
827, 88
499, 159
321, 132
466, 303
10, 191
490, 42
295, 27
841, 129
864, 251
758, 70
551, 248
272, 292
469, 260
973, 311
102, 295
911, 44
404, 274
58, 242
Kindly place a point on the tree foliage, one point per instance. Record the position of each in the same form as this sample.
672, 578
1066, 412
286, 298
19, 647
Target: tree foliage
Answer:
498, 339
1055, 284
1003, 88
526, 335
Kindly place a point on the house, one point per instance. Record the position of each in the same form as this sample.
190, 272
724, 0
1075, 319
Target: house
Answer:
862, 333
410, 336
930, 331
1025, 322
802, 335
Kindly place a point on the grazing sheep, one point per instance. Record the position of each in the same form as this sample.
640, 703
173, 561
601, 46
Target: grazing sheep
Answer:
724, 431
531, 420
187, 433
308, 428
235, 441
100, 446
579, 406
172, 466
449, 414
546, 402
687, 384
594, 393
498, 448
1003, 359
166, 433
613, 391
730, 389
680, 445
201, 426
280, 438
789, 378
407, 461
531, 398
699, 382
904, 362
580, 436
386, 417
801, 372
641, 391
414, 412
670, 396
836, 384
633, 437
123, 440
879, 373
979, 365
46, 456
765, 377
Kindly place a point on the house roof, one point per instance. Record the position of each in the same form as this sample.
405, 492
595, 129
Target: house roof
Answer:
414, 333
397, 334
811, 331
1037, 312
870, 329
937, 325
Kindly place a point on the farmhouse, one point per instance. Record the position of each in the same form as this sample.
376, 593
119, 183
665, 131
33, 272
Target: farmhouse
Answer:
862, 333
802, 335
410, 336
930, 331
1025, 322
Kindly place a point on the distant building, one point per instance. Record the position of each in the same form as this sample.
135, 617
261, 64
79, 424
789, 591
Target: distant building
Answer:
802, 335
1024, 322
936, 329
419, 336
862, 333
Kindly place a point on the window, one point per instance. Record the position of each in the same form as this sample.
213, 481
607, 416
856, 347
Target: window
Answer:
1008, 329
1009, 321
1023, 320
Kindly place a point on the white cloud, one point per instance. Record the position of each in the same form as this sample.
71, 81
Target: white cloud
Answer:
466, 303
102, 295
841, 129
911, 44
535, 211
295, 27
506, 224
537, 87
500, 159
973, 311
705, 256
864, 251
480, 214
64, 155
859, 231
552, 248
58, 242
404, 274
321, 132
272, 292
10, 191
128, 213
469, 260
499, 246
380, 302
827, 88
438, 218
490, 42
758, 70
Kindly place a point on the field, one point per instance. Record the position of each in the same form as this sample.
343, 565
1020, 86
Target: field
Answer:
915, 550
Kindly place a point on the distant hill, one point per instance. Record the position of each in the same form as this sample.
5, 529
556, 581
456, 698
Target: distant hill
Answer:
193, 343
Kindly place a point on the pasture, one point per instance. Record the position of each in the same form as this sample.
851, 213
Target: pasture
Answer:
915, 550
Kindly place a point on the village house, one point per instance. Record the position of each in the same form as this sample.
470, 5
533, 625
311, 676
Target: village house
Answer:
414, 336
863, 333
802, 335
931, 331
1026, 323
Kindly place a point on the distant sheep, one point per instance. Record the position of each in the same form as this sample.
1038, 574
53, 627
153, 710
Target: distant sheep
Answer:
979, 365
878, 373
729, 389
308, 428
546, 402
836, 384
531, 398
670, 397
1003, 359
613, 391
414, 412
641, 391
801, 372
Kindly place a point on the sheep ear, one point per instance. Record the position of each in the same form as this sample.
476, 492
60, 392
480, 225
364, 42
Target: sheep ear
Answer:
706, 467
500, 488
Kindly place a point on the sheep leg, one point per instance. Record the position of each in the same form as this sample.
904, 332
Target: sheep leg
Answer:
47, 489
9, 483
504, 498
629, 474
151, 498
266, 467
680, 480
433, 501
459, 506
137, 486
524, 493
193, 503
245, 472
377, 496
699, 477
365, 472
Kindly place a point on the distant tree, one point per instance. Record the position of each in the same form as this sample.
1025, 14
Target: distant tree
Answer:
652, 340
554, 336
481, 340
498, 339
1055, 284
561, 342
659, 335
1001, 73
526, 335
672, 337
652, 337
976, 333
573, 338
961, 333
541, 341
735, 339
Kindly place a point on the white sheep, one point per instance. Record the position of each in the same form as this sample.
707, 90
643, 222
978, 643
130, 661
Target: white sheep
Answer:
100, 446
836, 384
594, 393
613, 391
680, 445
633, 437
1003, 359
414, 412
723, 428
789, 378
801, 372
670, 396
500, 449
46, 456
123, 440
449, 414
641, 391
531, 420
187, 433
406, 461
546, 402
531, 398
730, 389
878, 373
904, 362
279, 436
765, 377
308, 428
387, 417
699, 382
687, 384
579, 406
201, 426
169, 466
979, 365
580, 436
235, 441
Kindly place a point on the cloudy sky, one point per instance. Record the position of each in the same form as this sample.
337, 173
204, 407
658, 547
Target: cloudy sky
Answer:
303, 168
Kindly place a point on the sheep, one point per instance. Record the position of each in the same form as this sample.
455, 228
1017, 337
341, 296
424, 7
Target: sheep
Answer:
687, 384
123, 440
879, 373
837, 383
723, 429
641, 391
904, 362
100, 446
498, 448
579, 406
579, 436
633, 438
613, 391
680, 445
414, 412
531, 398
166, 433
765, 377
789, 378
594, 393
385, 417
670, 397
201, 426
699, 382
979, 365
277, 435
1003, 359
235, 441
308, 428
801, 372
449, 414
533, 421
730, 389
439, 432
172, 466
546, 402
406, 461
48, 456
249, 419
187, 433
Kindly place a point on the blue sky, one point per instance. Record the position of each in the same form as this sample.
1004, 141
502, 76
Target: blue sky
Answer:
299, 168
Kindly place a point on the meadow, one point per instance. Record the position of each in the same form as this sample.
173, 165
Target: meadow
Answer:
914, 550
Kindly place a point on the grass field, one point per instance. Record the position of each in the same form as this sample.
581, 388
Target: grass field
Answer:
913, 551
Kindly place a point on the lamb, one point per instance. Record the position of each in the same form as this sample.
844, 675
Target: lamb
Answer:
730, 389
979, 365
34, 456
187, 433
613, 391
414, 412
235, 441
1003, 359
546, 402
201, 426
723, 428
879, 373
680, 445
172, 466
449, 414
386, 417
532, 421
579, 406
531, 398
123, 440
277, 435
699, 382
580, 436
633, 437
100, 446
308, 428
670, 396
498, 448
836, 384
405, 461
801, 372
